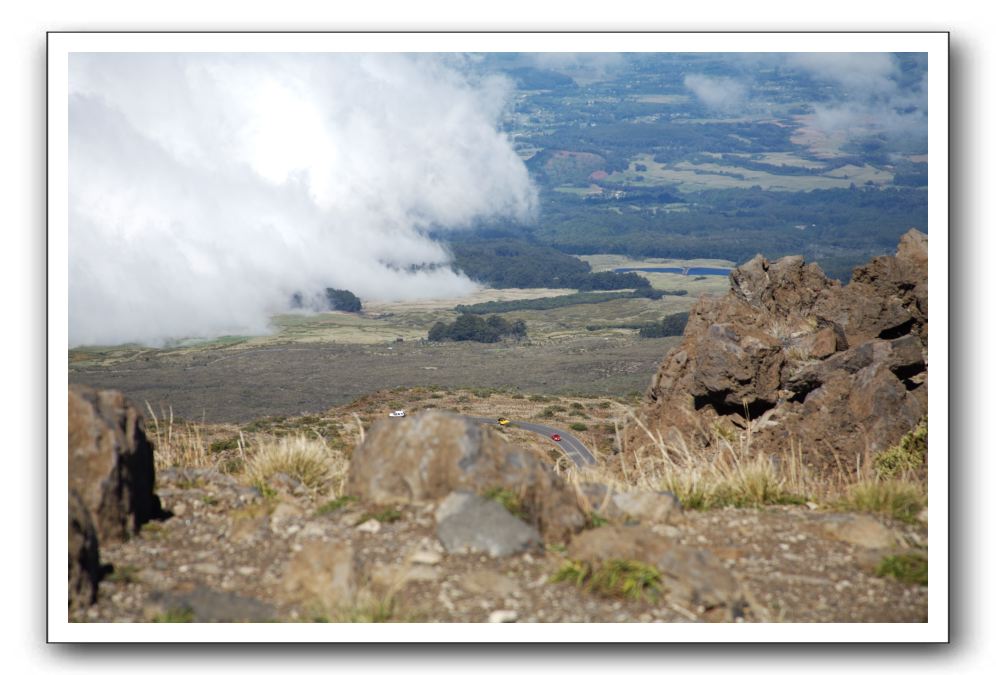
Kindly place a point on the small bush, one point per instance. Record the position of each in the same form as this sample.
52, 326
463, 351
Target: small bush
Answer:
910, 568
906, 458
579, 426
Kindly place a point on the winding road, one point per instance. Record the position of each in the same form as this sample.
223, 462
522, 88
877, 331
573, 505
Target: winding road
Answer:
568, 443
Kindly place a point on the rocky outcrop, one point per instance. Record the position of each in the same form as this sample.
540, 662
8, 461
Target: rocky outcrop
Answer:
110, 462
84, 555
427, 456
790, 359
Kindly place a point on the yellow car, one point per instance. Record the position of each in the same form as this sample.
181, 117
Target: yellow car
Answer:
503, 421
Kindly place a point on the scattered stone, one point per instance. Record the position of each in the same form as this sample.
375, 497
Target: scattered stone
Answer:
503, 616
283, 517
487, 582
861, 530
179, 509
426, 557
322, 572
468, 523
205, 605
369, 526
110, 462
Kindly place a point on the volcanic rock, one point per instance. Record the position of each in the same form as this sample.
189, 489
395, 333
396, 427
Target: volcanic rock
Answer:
790, 360
110, 462
84, 554
425, 457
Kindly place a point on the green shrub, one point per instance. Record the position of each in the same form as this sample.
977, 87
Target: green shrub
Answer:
579, 426
910, 568
629, 579
906, 457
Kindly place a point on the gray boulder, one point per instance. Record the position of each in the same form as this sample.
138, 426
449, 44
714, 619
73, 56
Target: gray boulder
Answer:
467, 523
427, 456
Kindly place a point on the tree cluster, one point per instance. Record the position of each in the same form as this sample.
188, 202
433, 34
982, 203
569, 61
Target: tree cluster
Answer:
477, 329
342, 300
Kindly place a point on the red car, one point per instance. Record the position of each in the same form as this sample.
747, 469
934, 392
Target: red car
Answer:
556, 437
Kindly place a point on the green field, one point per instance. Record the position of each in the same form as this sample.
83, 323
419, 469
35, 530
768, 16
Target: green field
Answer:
693, 177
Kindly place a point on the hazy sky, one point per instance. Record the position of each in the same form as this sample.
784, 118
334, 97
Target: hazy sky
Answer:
205, 189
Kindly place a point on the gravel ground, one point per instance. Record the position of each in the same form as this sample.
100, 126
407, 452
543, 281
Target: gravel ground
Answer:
223, 555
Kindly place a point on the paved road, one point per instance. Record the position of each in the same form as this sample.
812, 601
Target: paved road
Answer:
569, 444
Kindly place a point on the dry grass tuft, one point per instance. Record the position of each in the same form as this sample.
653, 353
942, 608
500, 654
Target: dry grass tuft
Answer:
901, 499
308, 459
175, 445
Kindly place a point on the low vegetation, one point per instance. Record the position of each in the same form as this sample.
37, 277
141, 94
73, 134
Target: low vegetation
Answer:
510, 500
556, 302
306, 459
627, 579
900, 499
910, 568
906, 458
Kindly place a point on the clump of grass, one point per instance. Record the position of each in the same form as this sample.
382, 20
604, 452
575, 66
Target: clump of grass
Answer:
176, 445
577, 406
579, 426
388, 515
897, 498
334, 505
596, 520
906, 458
125, 574
910, 568
574, 572
510, 500
629, 579
231, 443
175, 615
308, 460
730, 474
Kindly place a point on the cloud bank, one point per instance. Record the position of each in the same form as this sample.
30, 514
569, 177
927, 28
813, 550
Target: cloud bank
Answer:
206, 189
869, 95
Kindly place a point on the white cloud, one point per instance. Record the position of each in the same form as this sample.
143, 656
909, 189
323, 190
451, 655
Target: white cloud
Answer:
205, 189
722, 93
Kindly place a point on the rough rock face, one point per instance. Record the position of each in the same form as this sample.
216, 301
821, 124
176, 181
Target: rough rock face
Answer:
84, 555
802, 362
427, 456
110, 462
